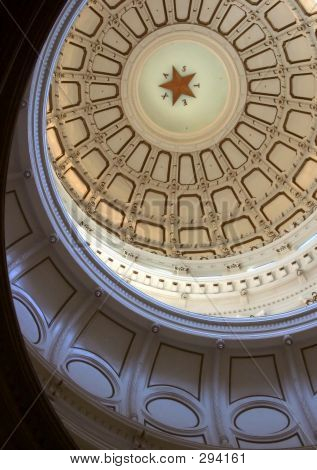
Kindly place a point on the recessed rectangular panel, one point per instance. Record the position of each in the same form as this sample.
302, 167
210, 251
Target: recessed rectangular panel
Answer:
102, 91
298, 49
54, 143
187, 173
310, 359
266, 86
194, 236
252, 136
16, 224
233, 154
261, 112
69, 94
238, 228
88, 22
132, 19
182, 9
255, 376
76, 183
107, 339
73, 56
77, 131
190, 208
257, 184
303, 86
106, 117
231, 19
161, 169
110, 213
118, 141
298, 123
121, 188
210, 165
154, 204
307, 174
207, 10
48, 287
282, 156
226, 202
116, 41
177, 368
95, 163
280, 16
106, 66
291, 222
138, 157
277, 207
309, 6
262, 60
151, 232
251, 36
248, 245
157, 11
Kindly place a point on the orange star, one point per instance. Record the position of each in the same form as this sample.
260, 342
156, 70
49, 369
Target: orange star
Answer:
179, 85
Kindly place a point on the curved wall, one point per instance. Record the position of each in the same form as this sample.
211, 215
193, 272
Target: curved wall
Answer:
198, 387
125, 372
224, 241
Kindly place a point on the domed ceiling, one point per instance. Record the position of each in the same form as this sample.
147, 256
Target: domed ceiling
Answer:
187, 128
140, 90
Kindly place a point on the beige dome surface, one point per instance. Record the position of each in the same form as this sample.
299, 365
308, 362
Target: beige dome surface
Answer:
253, 184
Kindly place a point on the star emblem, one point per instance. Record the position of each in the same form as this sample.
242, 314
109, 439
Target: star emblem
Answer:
179, 85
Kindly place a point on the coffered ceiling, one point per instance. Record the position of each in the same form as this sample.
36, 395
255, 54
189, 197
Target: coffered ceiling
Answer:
250, 186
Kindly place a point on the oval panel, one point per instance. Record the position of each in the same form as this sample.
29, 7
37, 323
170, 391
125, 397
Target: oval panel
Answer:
172, 413
27, 322
261, 421
90, 378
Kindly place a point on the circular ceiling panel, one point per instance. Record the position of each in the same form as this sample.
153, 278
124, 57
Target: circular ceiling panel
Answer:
183, 87
187, 130
189, 136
